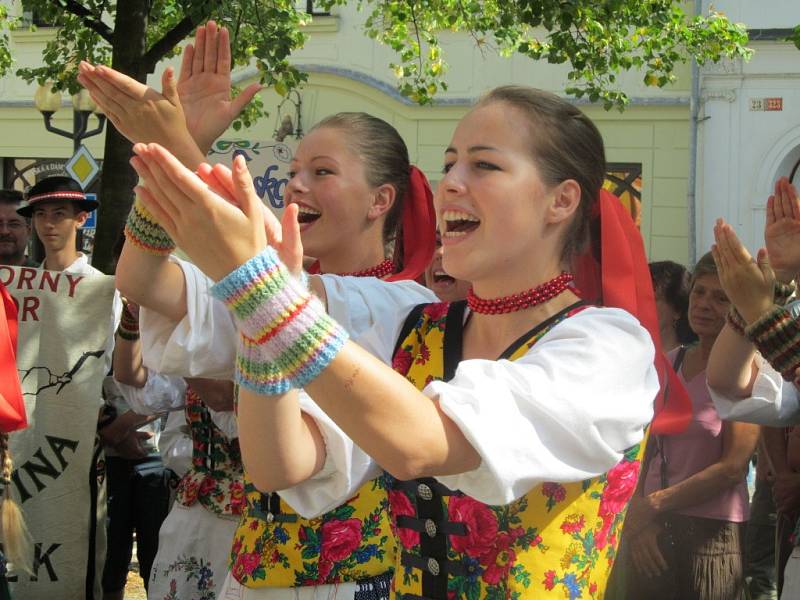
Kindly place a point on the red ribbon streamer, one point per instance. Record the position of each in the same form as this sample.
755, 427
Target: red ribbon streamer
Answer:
12, 404
622, 280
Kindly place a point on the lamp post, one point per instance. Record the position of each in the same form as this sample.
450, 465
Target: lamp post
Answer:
48, 102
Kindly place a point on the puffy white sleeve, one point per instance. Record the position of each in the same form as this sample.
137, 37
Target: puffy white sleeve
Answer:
373, 312
226, 421
565, 411
161, 393
773, 401
175, 444
202, 344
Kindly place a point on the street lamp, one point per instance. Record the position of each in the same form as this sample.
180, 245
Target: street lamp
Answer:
48, 102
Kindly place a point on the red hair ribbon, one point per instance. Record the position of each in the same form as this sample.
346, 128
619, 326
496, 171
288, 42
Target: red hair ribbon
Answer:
419, 227
12, 405
622, 280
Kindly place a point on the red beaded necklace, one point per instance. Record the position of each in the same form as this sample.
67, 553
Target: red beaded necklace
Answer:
381, 270
521, 300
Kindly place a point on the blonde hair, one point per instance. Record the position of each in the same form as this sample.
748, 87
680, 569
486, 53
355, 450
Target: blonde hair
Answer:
13, 531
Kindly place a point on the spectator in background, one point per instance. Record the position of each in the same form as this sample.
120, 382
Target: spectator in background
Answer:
446, 288
685, 534
15, 231
671, 287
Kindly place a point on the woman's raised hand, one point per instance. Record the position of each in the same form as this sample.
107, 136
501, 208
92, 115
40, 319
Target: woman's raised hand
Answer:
749, 284
782, 231
219, 228
141, 113
204, 85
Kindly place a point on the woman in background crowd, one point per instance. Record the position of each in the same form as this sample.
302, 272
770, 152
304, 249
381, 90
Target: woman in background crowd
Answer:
684, 536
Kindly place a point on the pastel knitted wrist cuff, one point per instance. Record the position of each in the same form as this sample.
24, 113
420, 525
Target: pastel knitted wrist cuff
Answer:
143, 231
286, 337
777, 336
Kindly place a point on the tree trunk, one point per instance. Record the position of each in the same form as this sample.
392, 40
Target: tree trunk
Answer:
118, 177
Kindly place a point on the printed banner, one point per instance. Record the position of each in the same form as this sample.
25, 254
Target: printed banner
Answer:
63, 329
268, 162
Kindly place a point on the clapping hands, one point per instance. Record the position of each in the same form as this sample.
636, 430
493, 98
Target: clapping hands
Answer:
214, 215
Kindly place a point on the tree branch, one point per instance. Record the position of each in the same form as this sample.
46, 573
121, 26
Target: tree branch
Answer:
170, 39
85, 15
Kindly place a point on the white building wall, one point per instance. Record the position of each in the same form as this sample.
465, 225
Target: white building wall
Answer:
744, 151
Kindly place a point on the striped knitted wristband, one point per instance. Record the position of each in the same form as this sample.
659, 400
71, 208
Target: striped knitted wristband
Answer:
143, 231
776, 335
286, 337
128, 328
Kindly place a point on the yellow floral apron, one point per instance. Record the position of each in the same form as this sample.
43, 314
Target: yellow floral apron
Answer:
558, 540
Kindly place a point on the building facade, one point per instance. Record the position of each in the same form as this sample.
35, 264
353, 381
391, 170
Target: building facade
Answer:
647, 146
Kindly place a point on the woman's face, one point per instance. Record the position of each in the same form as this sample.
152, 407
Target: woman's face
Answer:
491, 202
708, 306
329, 185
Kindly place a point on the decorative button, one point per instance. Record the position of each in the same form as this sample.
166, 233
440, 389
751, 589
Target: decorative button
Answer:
430, 527
270, 517
424, 492
433, 566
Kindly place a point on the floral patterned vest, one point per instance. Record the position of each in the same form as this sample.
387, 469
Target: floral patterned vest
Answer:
558, 540
276, 547
216, 478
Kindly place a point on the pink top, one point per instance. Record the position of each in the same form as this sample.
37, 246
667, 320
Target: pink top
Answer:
697, 448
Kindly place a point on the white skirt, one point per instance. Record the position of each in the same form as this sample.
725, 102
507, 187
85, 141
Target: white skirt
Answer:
233, 590
194, 547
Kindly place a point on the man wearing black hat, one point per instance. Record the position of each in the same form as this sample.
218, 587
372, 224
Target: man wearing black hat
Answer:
59, 208
15, 231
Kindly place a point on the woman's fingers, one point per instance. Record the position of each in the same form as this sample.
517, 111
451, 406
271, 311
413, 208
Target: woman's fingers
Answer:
246, 195
154, 206
199, 50
732, 247
209, 177
291, 249
224, 52
783, 208
114, 81
186, 63
169, 87
794, 202
167, 185
771, 210
225, 177
102, 93
210, 60
146, 169
244, 98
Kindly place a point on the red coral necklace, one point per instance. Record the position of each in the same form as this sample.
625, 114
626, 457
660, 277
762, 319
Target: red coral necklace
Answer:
521, 300
381, 270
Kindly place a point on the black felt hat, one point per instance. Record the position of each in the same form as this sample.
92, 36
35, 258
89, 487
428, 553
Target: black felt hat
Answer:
56, 189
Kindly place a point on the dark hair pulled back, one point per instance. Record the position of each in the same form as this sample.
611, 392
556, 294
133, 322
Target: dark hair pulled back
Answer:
385, 157
565, 144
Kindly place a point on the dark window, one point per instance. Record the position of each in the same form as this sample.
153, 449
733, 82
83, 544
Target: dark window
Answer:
624, 180
312, 10
35, 16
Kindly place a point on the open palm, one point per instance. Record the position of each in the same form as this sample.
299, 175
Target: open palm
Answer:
782, 231
204, 86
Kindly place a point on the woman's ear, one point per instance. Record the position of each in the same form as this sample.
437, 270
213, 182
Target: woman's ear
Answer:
383, 199
565, 202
